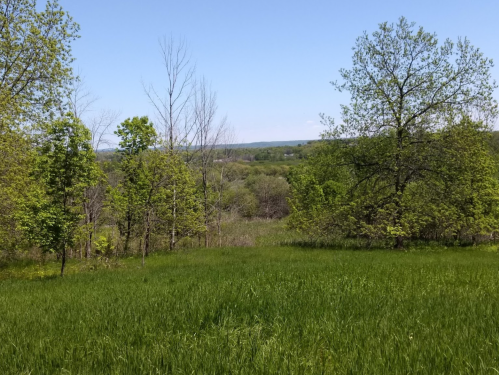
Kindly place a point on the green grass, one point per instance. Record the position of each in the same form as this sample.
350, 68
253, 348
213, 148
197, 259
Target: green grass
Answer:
259, 310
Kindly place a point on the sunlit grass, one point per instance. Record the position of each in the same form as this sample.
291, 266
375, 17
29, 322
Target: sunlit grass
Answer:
259, 310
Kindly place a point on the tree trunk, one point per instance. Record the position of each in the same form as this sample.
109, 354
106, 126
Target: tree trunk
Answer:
399, 190
144, 254
88, 241
88, 246
206, 219
147, 234
127, 235
174, 216
219, 213
63, 265
399, 243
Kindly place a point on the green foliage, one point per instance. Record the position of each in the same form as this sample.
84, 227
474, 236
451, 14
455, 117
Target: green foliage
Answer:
64, 167
172, 195
137, 135
16, 156
241, 200
271, 194
35, 58
455, 196
104, 246
157, 195
260, 311
411, 141
127, 199
35, 71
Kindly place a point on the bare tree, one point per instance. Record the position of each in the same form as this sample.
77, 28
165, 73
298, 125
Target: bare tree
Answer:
81, 102
99, 126
173, 106
80, 98
95, 195
220, 177
209, 134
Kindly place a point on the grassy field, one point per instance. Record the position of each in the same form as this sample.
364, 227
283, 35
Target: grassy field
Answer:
258, 310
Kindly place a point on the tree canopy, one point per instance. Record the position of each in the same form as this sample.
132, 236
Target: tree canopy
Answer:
409, 97
35, 58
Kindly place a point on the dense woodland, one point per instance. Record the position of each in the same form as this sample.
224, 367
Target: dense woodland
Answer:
413, 159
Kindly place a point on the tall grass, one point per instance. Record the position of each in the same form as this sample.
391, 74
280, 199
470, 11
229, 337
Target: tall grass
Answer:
264, 310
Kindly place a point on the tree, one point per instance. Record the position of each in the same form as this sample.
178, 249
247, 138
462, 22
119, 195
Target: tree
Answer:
463, 202
35, 69
271, 193
209, 134
170, 199
65, 167
16, 158
405, 89
137, 135
81, 102
35, 59
172, 108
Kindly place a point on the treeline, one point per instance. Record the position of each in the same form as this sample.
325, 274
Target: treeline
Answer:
287, 154
166, 183
147, 197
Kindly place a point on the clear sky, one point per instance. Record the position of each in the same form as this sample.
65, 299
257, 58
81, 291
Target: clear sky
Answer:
270, 61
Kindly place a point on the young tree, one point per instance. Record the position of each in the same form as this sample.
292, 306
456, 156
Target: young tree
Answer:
173, 107
170, 199
65, 167
137, 135
81, 102
404, 88
209, 134
272, 193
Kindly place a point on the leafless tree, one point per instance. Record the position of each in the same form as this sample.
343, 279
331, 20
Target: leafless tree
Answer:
81, 102
209, 134
173, 105
220, 170
80, 98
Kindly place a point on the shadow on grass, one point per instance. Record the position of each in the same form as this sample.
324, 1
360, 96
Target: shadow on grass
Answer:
336, 244
360, 244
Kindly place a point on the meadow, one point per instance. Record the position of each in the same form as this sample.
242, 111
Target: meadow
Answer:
258, 310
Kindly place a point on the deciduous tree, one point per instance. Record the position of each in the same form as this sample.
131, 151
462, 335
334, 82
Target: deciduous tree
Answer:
35, 59
137, 135
405, 89
64, 168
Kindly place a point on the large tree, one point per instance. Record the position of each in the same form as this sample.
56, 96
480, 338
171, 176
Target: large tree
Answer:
35, 58
35, 70
405, 89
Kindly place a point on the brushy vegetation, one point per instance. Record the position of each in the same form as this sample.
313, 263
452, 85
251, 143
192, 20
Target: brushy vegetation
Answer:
260, 310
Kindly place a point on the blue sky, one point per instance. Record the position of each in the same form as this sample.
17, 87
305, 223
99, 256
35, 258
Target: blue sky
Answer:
270, 62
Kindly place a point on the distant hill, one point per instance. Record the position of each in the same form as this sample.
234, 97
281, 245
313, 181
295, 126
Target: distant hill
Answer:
268, 144
246, 145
